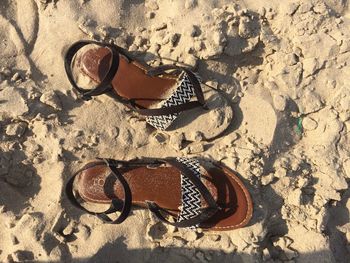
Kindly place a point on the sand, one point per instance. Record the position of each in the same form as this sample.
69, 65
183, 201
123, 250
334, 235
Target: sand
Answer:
284, 69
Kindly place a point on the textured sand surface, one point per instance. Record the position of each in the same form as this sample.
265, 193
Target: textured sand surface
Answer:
284, 68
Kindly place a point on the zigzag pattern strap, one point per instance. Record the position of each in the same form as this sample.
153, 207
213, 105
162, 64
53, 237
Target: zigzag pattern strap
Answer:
195, 81
181, 99
192, 213
198, 183
191, 197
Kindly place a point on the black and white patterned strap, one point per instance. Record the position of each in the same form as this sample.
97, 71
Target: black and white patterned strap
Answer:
183, 94
192, 214
190, 195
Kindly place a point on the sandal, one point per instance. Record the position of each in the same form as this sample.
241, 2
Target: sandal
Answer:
179, 191
160, 93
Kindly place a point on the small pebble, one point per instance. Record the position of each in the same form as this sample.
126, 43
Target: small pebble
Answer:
177, 141
310, 65
190, 235
214, 237
294, 197
22, 255
51, 99
78, 133
198, 136
240, 94
161, 138
267, 179
14, 240
291, 59
280, 172
15, 77
279, 102
16, 129
69, 229
309, 124
196, 148
150, 15
194, 32
152, 4
160, 27
189, 4
83, 232
244, 29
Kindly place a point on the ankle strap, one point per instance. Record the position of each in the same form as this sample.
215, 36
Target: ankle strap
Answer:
115, 204
105, 84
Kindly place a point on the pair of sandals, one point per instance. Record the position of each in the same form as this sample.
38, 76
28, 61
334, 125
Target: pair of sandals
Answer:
183, 192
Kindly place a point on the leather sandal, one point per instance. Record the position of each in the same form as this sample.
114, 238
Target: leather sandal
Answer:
181, 192
158, 93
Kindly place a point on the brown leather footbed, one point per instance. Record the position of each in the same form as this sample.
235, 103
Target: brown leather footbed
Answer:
163, 186
130, 81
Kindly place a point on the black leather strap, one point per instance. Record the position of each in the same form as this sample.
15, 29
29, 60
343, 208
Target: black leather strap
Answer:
205, 214
104, 86
127, 192
115, 204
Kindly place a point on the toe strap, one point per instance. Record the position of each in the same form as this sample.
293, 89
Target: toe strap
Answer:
191, 213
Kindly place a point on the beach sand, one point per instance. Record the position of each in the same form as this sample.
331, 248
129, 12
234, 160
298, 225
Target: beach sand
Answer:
284, 68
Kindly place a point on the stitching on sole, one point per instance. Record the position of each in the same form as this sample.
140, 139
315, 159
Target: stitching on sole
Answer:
250, 207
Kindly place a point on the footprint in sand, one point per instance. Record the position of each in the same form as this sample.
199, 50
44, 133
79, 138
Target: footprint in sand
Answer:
260, 118
28, 21
19, 27
266, 121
